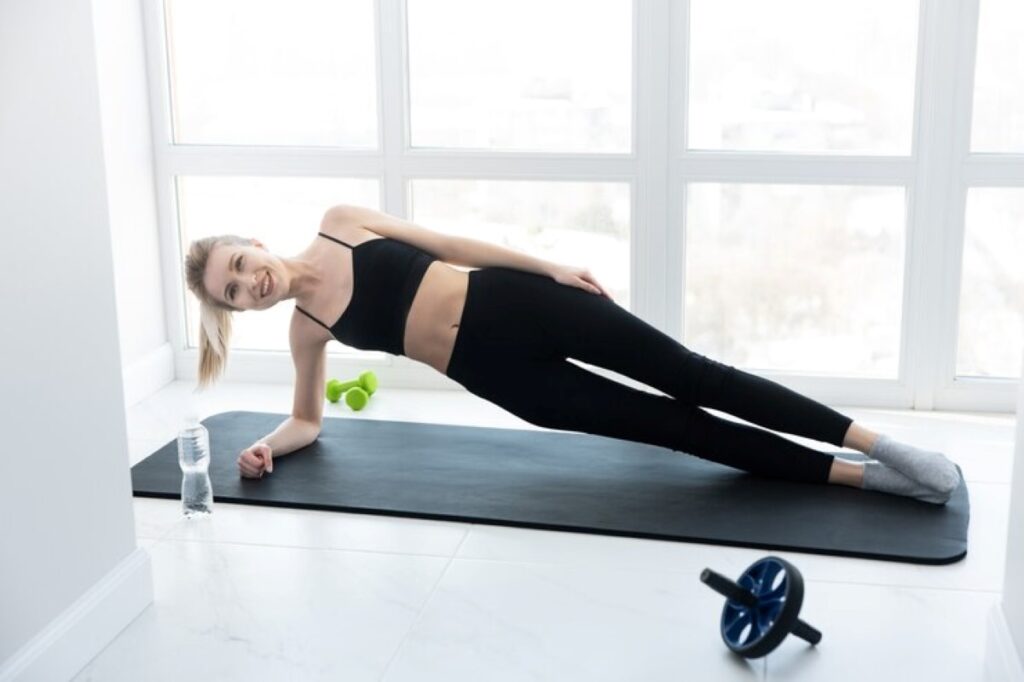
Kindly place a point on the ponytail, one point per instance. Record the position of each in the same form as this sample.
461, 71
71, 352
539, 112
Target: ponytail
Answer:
214, 337
214, 317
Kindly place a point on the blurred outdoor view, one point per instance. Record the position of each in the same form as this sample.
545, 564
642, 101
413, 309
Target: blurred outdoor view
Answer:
529, 75
301, 73
799, 278
991, 325
997, 123
802, 76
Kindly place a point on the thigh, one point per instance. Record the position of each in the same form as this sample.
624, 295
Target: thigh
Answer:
598, 331
558, 394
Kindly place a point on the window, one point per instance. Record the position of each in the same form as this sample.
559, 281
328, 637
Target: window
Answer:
802, 75
787, 187
805, 278
529, 75
300, 72
990, 331
998, 120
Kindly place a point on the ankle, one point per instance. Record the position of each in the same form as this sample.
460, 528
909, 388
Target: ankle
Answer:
846, 472
859, 438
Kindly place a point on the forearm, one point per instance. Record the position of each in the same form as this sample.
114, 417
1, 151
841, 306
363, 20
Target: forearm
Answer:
478, 254
291, 435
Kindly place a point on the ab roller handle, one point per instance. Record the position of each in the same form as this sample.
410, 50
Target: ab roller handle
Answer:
759, 611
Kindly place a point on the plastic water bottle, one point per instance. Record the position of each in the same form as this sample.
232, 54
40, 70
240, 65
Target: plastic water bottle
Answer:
194, 458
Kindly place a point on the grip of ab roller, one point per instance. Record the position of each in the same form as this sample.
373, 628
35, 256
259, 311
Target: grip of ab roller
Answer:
729, 589
806, 632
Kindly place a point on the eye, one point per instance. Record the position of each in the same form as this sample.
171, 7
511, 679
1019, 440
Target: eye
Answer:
238, 266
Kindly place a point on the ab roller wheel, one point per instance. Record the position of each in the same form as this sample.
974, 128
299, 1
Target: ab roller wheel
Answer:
761, 608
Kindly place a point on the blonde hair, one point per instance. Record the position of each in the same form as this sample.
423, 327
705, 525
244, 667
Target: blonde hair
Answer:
214, 316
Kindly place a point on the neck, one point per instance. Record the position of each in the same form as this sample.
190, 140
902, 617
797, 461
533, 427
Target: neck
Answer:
304, 275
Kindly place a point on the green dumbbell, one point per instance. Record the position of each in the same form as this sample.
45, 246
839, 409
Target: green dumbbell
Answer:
357, 392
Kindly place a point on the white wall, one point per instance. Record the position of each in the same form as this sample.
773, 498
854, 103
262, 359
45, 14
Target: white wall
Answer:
70, 576
128, 155
1013, 591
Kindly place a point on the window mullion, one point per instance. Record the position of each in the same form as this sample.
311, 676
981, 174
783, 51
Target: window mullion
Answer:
936, 199
393, 113
654, 267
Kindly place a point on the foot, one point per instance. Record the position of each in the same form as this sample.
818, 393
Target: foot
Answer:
931, 469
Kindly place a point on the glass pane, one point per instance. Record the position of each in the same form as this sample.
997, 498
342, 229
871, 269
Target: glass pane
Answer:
998, 120
584, 224
284, 214
991, 328
273, 73
798, 278
548, 75
802, 75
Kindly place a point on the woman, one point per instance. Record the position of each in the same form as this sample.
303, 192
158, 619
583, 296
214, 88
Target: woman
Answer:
504, 331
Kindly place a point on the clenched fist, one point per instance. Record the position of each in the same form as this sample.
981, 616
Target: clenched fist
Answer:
255, 460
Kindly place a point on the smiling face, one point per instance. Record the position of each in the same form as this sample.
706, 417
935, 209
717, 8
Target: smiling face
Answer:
244, 276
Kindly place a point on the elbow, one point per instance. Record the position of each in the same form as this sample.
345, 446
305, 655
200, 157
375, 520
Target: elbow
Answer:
311, 426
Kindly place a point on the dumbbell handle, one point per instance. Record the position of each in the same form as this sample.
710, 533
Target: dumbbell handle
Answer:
806, 632
729, 589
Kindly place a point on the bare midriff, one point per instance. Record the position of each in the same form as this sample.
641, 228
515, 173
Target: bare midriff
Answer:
435, 314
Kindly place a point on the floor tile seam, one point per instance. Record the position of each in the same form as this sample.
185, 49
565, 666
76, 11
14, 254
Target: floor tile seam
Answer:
423, 606
455, 556
303, 547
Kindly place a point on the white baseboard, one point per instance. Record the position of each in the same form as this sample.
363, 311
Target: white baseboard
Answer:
72, 639
148, 374
1002, 661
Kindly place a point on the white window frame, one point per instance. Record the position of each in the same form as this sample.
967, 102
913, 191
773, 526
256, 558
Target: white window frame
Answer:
936, 176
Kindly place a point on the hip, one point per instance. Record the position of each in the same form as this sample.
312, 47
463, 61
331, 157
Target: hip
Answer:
507, 316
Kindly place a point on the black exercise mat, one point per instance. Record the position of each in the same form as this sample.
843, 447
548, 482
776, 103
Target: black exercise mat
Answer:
559, 480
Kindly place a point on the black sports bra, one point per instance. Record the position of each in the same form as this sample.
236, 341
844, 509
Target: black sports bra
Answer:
386, 274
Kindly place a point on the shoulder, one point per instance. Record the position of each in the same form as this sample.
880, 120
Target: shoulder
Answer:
369, 221
342, 224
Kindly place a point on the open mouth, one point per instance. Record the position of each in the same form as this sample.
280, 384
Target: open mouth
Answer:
267, 286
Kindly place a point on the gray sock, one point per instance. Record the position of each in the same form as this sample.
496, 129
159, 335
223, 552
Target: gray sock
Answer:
932, 469
878, 476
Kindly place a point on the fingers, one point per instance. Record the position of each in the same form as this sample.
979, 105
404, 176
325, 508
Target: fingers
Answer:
591, 285
250, 465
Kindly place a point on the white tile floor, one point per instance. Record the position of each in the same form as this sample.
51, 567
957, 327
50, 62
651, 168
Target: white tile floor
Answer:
255, 593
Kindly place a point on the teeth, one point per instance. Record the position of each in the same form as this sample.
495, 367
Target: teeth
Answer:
266, 285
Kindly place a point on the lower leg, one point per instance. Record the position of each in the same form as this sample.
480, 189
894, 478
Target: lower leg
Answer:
764, 402
859, 438
848, 472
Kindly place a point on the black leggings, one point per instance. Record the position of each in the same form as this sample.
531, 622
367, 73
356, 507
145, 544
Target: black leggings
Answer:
518, 328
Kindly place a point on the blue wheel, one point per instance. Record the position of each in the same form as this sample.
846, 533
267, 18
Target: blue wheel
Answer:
762, 607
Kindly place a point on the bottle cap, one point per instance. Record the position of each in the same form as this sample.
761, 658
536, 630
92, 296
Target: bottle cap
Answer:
191, 415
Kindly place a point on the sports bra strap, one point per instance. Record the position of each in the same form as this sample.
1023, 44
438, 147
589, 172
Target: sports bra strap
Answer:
312, 318
335, 240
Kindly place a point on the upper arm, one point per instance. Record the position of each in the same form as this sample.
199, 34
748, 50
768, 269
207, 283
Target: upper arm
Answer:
437, 244
310, 359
